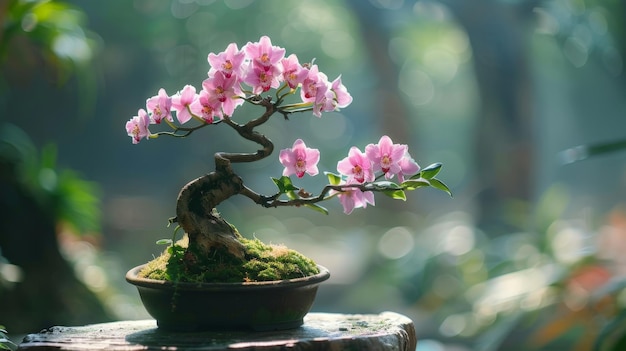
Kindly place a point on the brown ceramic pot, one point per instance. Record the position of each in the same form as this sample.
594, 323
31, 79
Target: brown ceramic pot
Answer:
273, 305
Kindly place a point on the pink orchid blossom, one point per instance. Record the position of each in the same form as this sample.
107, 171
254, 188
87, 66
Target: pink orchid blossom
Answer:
263, 54
330, 96
352, 198
386, 156
223, 90
137, 127
324, 101
159, 106
356, 166
182, 101
228, 62
408, 166
316, 89
313, 83
205, 107
299, 159
342, 96
262, 80
293, 73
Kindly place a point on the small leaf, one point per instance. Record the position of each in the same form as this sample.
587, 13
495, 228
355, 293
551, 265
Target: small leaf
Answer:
175, 250
317, 208
438, 184
431, 171
333, 179
284, 184
5, 344
395, 194
385, 185
413, 184
279, 184
164, 242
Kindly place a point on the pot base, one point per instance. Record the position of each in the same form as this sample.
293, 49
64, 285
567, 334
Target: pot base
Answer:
258, 306
178, 327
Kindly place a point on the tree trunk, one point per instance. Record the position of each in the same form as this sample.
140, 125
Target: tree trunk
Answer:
196, 206
197, 215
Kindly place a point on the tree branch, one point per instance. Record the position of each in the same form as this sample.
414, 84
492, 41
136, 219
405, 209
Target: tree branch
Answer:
247, 131
274, 201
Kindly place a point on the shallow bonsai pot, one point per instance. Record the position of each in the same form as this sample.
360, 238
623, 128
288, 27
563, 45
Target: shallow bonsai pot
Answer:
260, 306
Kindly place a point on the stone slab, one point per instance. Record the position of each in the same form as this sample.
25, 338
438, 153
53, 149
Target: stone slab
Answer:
320, 331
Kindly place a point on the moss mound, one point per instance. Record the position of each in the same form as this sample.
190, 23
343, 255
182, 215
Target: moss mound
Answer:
262, 262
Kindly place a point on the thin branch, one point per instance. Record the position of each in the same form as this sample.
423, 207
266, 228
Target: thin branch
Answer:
274, 201
185, 130
247, 131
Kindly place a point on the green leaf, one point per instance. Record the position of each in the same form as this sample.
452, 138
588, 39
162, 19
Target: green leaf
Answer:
431, 171
333, 179
413, 184
385, 185
317, 208
176, 250
164, 242
438, 184
279, 184
5, 344
284, 184
395, 194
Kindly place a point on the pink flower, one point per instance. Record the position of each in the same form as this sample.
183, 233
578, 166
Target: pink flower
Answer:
342, 96
293, 73
262, 80
205, 107
408, 166
313, 83
316, 89
356, 166
352, 198
181, 102
223, 90
263, 53
228, 61
386, 156
160, 106
299, 159
324, 101
137, 127
328, 96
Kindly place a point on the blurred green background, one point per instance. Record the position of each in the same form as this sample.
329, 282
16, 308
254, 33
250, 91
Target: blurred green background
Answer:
521, 100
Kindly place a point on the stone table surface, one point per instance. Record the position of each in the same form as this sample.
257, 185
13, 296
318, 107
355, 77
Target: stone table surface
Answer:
320, 331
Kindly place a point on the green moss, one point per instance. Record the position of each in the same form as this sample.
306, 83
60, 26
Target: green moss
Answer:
262, 262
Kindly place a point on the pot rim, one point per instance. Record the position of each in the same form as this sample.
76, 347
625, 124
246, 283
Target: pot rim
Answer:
133, 278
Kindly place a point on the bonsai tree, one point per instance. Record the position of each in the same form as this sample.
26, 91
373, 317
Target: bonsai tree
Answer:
249, 76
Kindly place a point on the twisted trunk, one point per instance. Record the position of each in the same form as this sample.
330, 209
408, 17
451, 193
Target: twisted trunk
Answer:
196, 211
